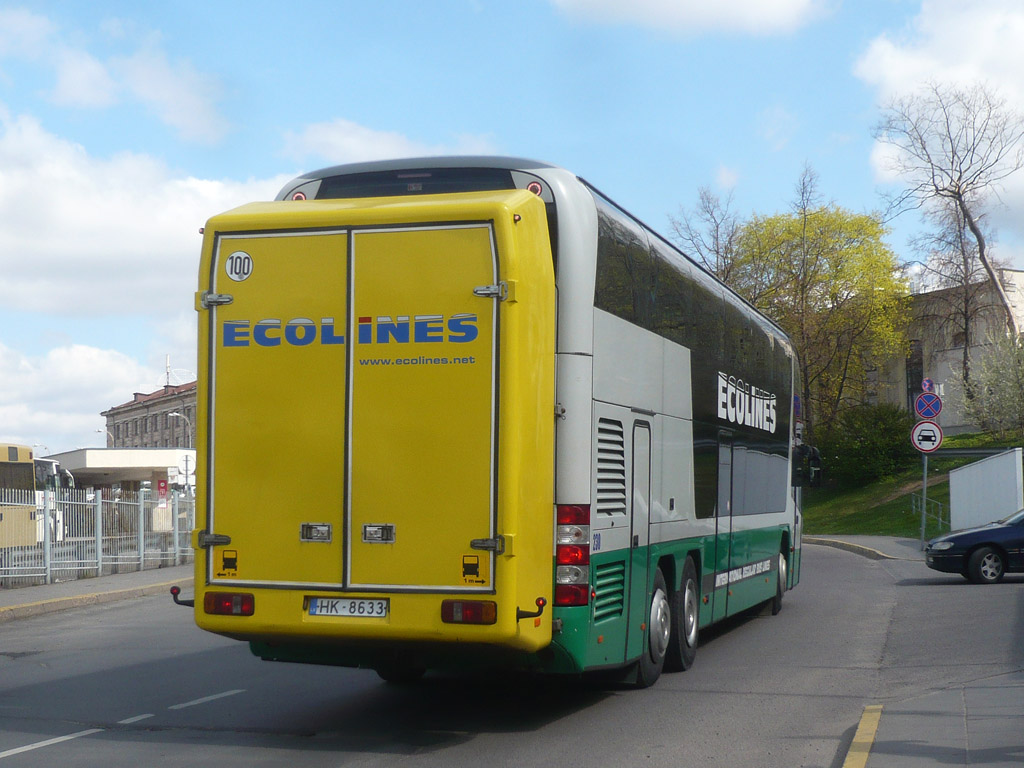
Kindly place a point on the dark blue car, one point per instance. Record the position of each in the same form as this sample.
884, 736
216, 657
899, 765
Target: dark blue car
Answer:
983, 555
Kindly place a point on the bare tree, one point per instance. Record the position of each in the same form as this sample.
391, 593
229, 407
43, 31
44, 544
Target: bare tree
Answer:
956, 144
953, 272
709, 232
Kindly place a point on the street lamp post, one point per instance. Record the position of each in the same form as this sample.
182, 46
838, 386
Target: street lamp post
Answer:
187, 423
109, 434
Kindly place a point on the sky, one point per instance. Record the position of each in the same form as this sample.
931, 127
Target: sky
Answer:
124, 126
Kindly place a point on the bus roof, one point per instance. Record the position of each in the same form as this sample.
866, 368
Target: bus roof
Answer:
502, 163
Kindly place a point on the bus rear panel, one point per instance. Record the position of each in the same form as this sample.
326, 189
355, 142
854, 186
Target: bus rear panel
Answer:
376, 437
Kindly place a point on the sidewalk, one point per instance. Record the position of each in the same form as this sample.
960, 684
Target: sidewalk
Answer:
22, 602
979, 723
873, 547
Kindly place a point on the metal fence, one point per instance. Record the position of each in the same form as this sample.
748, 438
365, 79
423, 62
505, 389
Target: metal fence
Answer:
934, 517
51, 536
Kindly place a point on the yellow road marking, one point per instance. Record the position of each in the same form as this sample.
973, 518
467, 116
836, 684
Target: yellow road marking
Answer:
857, 756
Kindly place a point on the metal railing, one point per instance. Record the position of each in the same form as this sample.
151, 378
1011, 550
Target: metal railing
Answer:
50, 536
934, 517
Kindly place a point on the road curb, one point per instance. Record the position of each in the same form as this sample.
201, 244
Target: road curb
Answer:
27, 610
859, 549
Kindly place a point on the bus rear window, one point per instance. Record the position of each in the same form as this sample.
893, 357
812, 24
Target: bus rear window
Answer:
418, 181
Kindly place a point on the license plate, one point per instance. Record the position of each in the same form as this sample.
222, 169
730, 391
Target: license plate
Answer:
340, 606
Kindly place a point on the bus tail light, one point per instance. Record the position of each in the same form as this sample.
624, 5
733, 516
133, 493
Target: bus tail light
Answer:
572, 555
469, 611
229, 603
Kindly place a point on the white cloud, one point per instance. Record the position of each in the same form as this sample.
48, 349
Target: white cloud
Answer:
82, 236
55, 399
343, 141
23, 33
726, 178
78, 233
950, 41
760, 17
177, 92
82, 81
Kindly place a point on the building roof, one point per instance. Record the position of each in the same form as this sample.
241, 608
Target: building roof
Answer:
102, 466
168, 390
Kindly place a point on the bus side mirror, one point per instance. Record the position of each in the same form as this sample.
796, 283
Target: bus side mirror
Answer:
807, 467
814, 468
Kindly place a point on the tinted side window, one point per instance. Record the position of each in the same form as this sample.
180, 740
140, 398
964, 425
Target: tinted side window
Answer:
705, 470
625, 274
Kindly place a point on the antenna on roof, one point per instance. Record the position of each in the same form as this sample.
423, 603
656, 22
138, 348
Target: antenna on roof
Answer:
175, 377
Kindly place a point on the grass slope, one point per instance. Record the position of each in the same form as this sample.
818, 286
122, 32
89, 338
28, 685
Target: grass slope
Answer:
883, 508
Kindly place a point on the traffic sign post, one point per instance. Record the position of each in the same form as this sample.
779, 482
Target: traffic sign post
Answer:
926, 436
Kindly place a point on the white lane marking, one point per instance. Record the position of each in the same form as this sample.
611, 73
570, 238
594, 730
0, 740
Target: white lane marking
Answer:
130, 720
48, 742
207, 698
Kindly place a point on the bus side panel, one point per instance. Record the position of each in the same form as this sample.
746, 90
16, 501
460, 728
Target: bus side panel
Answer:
754, 573
526, 420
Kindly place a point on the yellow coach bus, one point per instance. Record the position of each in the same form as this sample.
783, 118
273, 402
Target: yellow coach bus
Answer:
17, 497
468, 410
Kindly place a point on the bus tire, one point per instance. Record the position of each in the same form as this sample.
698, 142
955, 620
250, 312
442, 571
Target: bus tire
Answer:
780, 587
682, 647
659, 630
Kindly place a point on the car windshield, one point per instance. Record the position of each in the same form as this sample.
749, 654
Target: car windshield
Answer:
1014, 519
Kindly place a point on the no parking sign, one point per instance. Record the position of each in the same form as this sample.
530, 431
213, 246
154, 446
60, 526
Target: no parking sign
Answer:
928, 405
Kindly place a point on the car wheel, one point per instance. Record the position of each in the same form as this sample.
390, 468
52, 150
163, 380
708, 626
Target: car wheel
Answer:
659, 630
682, 647
986, 566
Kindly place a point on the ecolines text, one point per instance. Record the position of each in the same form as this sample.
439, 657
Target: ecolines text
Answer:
302, 331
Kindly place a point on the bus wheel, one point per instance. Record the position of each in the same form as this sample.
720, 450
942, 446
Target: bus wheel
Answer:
659, 630
682, 648
781, 586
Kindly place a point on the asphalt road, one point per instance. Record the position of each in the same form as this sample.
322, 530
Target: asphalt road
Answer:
135, 683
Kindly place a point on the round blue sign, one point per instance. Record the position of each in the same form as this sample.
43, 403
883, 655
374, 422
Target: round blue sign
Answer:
928, 405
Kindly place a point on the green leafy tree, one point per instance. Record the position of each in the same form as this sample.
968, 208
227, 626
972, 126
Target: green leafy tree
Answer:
867, 443
827, 277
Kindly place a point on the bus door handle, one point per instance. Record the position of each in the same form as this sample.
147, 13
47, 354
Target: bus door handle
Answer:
636, 540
